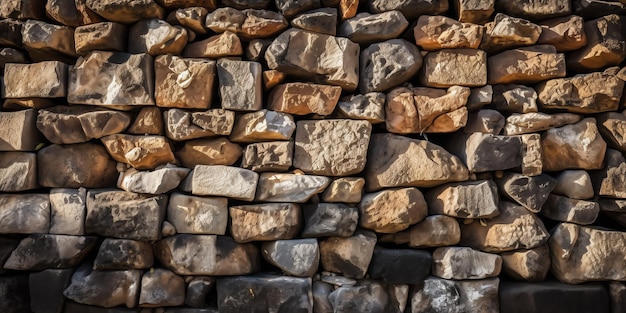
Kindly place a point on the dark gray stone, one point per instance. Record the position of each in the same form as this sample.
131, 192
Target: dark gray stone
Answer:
161, 287
121, 254
73, 307
14, 296
323, 21
104, 288
553, 297
349, 256
44, 251
329, 219
590, 9
529, 191
197, 291
297, 257
11, 33
46, 290
290, 8
7, 245
366, 296
439, 295
24, 213
400, 266
321, 290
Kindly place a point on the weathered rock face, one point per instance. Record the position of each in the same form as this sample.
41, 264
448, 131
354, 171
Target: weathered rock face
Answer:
564, 209
477, 199
511, 98
185, 125
18, 131
276, 293
409, 8
369, 106
329, 219
449, 67
47, 79
218, 151
465, 263
161, 288
564, 33
67, 211
273, 156
261, 222
392, 210
277, 187
439, 32
149, 121
442, 295
576, 146
298, 257
104, 288
536, 11
368, 28
517, 124
529, 265
76, 124
344, 189
575, 184
349, 256
100, 36
198, 215
57, 251
154, 37
388, 64
226, 44
531, 192
121, 254
584, 93
263, 125
526, 65
126, 12
18, 171
73, 166
183, 82
44, 41
240, 85
140, 152
206, 180
487, 152
159, 181
606, 45
303, 98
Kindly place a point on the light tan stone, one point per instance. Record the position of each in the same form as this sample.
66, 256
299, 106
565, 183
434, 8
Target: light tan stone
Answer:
126, 12
392, 210
183, 83
149, 121
440, 32
198, 215
584, 93
575, 146
240, 85
474, 11
606, 45
448, 67
140, 152
45, 41
564, 33
18, 171
435, 231
474, 199
18, 131
67, 211
159, 181
612, 126
348, 256
225, 19
185, 125
411, 9
449, 122
465, 263
532, 155
261, 24
388, 64
225, 44
609, 181
208, 180
192, 18
263, 222
370, 107
271, 78
73, 166
160, 288
517, 124
506, 32
529, 265
368, 28
155, 37
304, 98
273, 156
217, 151
100, 36
46, 79
526, 65
278, 187
263, 125
344, 189
323, 21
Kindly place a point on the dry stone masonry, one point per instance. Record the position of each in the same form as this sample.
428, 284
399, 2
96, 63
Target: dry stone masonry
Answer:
312, 156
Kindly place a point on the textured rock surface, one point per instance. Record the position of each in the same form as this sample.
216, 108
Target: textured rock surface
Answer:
442, 295
47, 79
56, 251
73, 166
120, 254
18, 131
276, 293
388, 64
576, 146
206, 180
392, 210
185, 125
198, 215
76, 124
261, 222
278, 187
585, 93
18, 171
477, 199
526, 65
605, 45
104, 288
140, 152
465, 263
183, 82
298, 257
529, 265
329, 219
449, 67
349, 256
303, 99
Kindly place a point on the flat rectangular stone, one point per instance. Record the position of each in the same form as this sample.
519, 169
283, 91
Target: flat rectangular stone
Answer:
18, 131
198, 215
274, 156
222, 181
18, 171
105, 36
240, 85
449, 67
68, 210
24, 213
46, 79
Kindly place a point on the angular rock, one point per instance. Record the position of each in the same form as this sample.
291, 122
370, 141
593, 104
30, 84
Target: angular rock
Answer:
298, 257
584, 93
512, 98
161, 180
24, 213
369, 106
400, 266
392, 210
290, 8
263, 125
44, 41
21, 103
18, 171
98, 77
575, 184
11, 32
75, 124
197, 291
532, 155
344, 189
263, 222
198, 215
526, 65
465, 263
479, 97
126, 12
470, 11
67, 211
104, 288
256, 50
149, 121
304, 98
331, 147
348, 256
564, 33
323, 21
140, 152
320, 291
208, 180
155, 37
411, 9
329, 219
271, 78
192, 18
529, 191
442, 295
46, 79
449, 122
325, 59
22, 9
116, 213
388, 64
225, 44
184, 125
240, 85
53, 251
484, 121
529, 265
517, 124
183, 83
575, 146
368, 28
448, 67
440, 32
506, 32
474, 199
581, 254
207, 255
277, 187
46, 287
398, 161
264, 292
261, 24
563, 209
161, 288
18, 131
515, 228
611, 126
536, 11
100, 36
487, 152
551, 296
122, 254
433, 231
609, 181
273, 156
606, 45
72, 166
368, 295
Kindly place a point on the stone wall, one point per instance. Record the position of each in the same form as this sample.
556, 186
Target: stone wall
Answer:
188, 156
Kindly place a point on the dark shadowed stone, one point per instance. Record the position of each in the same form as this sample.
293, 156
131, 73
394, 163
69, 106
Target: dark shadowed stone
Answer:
11, 33
197, 291
609, 181
617, 293
564, 209
366, 296
73, 307
611, 126
410, 8
121, 254
552, 297
329, 219
14, 296
7, 245
529, 191
590, 9
465, 263
388, 64
529, 265
264, 293
24, 213
72, 166
606, 45
400, 266
46, 290
392, 210
107, 36
321, 290
441, 295
207, 255
349, 256
43, 251
297, 257
487, 152
67, 211
160, 288
104, 288
122, 214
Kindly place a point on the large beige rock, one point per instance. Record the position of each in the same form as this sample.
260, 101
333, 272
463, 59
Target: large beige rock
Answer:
155, 37
18, 131
304, 98
506, 32
263, 125
226, 44
392, 210
208, 180
162, 180
575, 146
448, 67
112, 78
367, 28
24, 213
184, 125
472, 11
72, 166
581, 254
149, 121
198, 215
529, 265
397, 161
515, 228
440, 32
564, 33
140, 152
126, 12
331, 147
273, 156
465, 263
100, 36
612, 126
218, 151
584, 93
474, 199
277, 187
240, 85
517, 124
411, 111
606, 45
609, 181
526, 65
388, 64
433, 231
344, 189
75, 124
323, 59
46, 79
18, 171
370, 107
264, 222
192, 18
183, 83
45, 41
535, 10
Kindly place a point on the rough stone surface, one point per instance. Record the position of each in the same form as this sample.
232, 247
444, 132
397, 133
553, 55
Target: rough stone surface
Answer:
304, 98
218, 151
530, 265
297, 257
448, 67
506, 32
517, 124
388, 64
57, 251
47, 79
272, 292
226, 44
411, 9
511, 98
240, 85
527, 65
297, 188
18, 132
323, 21
477, 199
161, 180
576, 146
434, 231
126, 12
68, 208
104, 288
465, 263
367, 28
100, 36
24, 214
564, 33
72, 166
349, 256
442, 295
44, 41
611, 126
183, 82
185, 125
344, 189
536, 10
606, 45
161, 288
392, 210
262, 222
487, 152
609, 181
531, 192
439, 32
140, 152
149, 121
155, 37
121, 254
484, 121
75, 124
563, 209
584, 93
207, 180
198, 215
369, 106
471, 11
18, 171
329, 219
263, 125
273, 156
575, 184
